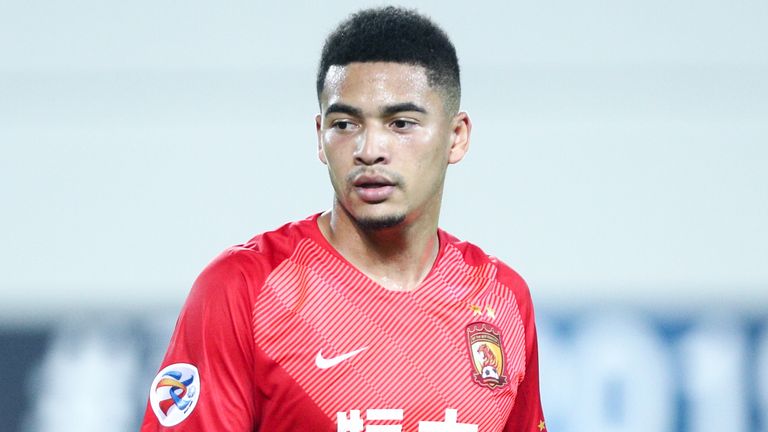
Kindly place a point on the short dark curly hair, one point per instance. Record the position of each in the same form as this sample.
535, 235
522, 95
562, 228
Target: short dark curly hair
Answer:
393, 34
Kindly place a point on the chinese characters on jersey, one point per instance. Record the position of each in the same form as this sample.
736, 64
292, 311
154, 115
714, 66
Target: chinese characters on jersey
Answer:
352, 422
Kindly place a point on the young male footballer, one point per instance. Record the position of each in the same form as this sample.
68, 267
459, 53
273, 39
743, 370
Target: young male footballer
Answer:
366, 317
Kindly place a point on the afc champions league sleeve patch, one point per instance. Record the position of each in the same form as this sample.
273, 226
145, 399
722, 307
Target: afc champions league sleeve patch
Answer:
174, 393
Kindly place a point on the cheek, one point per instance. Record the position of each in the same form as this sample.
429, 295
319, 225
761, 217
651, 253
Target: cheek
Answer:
430, 150
339, 144
334, 159
431, 160
330, 149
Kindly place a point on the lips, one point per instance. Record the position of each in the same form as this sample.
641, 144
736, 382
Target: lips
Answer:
373, 189
372, 181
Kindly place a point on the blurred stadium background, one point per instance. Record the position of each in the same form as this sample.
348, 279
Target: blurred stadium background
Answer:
619, 161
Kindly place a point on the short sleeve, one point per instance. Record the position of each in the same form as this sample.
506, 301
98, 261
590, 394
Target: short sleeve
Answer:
206, 381
527, 414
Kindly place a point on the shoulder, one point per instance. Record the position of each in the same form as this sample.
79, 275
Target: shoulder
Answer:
265, 250
480, 263
250, 263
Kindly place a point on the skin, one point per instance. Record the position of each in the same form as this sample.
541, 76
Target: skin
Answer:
387, 141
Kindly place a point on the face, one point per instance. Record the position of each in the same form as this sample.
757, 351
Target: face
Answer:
387, 140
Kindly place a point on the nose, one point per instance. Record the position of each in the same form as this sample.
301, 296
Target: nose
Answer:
372, 147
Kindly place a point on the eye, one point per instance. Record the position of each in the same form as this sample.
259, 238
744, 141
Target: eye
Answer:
402, 124
343, 125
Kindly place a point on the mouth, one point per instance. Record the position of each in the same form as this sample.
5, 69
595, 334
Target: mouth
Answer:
372, 182
373, 189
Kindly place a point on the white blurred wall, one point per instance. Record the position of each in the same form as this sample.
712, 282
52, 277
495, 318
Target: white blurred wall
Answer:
619, 149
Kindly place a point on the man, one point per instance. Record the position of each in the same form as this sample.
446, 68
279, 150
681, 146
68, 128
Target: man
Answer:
365, 317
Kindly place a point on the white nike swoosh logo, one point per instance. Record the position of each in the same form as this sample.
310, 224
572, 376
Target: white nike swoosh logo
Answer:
324, 363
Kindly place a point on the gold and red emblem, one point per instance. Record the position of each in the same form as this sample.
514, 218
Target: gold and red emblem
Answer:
486, 355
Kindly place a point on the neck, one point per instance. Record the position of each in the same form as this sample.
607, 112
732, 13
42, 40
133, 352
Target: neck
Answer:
398, 258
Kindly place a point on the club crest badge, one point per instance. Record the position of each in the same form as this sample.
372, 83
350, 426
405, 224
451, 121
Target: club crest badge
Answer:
174, 393
486, 355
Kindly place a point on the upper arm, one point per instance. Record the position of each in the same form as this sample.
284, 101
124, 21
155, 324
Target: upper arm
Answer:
214, 335
526, 414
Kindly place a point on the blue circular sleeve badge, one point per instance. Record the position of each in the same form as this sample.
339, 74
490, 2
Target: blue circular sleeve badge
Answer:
174, 393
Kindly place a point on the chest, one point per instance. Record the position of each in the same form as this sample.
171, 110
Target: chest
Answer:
366, 356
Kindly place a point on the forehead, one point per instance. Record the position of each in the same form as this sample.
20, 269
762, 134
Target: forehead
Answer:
377, 83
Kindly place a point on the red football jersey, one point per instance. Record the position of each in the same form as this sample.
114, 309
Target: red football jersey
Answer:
283, 334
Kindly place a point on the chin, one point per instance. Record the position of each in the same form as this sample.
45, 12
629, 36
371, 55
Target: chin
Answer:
380, 222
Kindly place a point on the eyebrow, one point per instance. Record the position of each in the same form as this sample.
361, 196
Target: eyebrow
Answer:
343, 109
401, 107
385, 112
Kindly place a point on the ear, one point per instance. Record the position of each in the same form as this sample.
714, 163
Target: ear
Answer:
461, 127
318, 129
